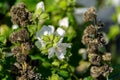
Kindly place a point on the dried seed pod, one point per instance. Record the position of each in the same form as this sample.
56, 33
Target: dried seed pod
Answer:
102, 39
90, 30
20, 15
26, 47
86, 39
23, 77
92, 47
95, 71
19, 36
95, 59
17, 65
90, 15
100, 24
95, 41
31, 74
106, 57
14, 69
105, 69
20, 58
16, 50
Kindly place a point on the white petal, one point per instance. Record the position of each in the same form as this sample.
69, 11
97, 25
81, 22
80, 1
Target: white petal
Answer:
64, 22
40, 5
60, 41
51, 29
60, 55
41, 42
51, 52
60, 50
14, 26
60, 32
38, 44
45, 30
65, 45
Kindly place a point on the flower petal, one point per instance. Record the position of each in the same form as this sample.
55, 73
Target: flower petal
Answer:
60, 55
64, 22
38, 44
65, 45
45, 30
15, 26
51, 52
60, 32
40, 5
41, 41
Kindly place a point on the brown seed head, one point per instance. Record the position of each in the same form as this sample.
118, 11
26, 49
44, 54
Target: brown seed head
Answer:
20, 15
90, 15
106, 57
95, 71
20, 36
90, 30
105, 69
95, 59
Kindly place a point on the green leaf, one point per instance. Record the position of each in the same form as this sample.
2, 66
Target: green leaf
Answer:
114, 30
56, 39
63, 73
51, 37
44, 51
46, 64
88, 78
55, 77
56, 63
46, 38
36, 57
44, 16
31, 4
63, 4
32, 29
64, 66
2, 38
37, 12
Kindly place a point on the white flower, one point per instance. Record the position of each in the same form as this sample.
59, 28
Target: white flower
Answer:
40, 5
14, 26
64, 22
59, 50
